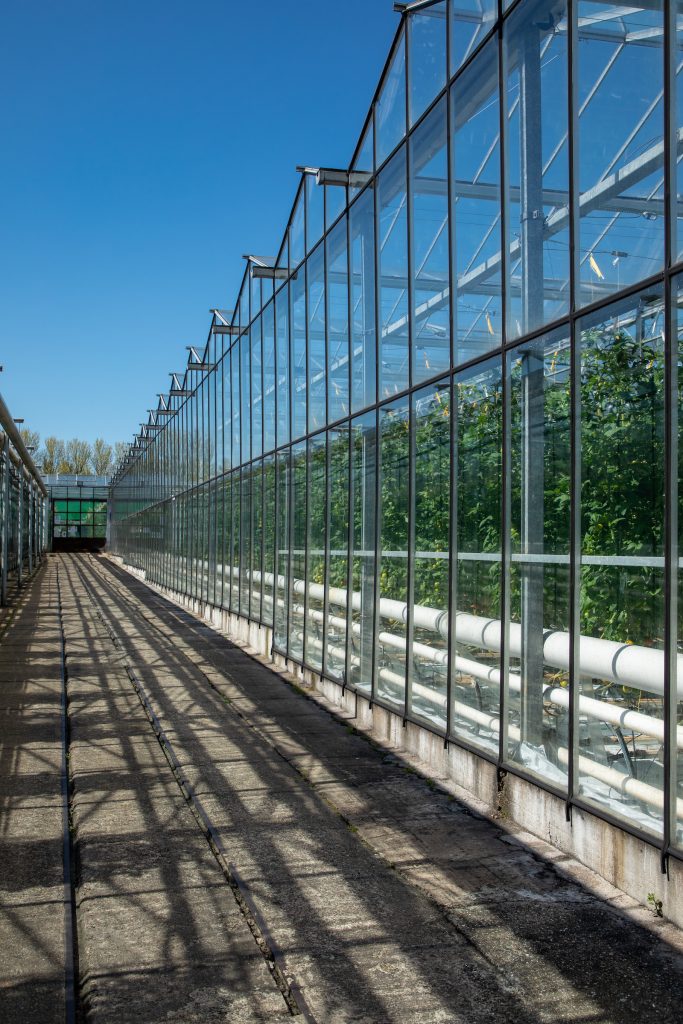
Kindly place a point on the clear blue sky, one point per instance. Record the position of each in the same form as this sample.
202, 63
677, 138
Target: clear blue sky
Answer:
145, 146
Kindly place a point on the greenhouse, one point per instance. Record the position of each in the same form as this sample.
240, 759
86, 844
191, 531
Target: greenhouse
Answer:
78, 511
433, 450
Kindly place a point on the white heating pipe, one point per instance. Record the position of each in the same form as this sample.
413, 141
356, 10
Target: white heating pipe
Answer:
612, 777
627, 666
641, 668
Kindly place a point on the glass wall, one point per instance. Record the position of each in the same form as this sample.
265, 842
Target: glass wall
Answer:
78, 509
436, 447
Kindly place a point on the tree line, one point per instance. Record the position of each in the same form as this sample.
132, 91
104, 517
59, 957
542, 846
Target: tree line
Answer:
76, 457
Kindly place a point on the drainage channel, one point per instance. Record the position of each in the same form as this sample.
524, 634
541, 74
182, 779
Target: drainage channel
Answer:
290, 989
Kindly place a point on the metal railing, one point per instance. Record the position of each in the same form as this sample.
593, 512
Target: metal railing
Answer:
22, 507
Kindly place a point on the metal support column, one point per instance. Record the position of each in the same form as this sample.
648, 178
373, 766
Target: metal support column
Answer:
6, 520
532, 514
31, 510
20, 529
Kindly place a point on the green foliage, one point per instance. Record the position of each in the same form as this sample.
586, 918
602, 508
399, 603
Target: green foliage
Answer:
622, 482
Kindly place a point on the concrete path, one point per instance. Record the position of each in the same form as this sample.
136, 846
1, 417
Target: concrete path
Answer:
338, 885
32, 899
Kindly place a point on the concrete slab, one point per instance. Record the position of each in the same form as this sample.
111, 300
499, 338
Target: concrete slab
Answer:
32, 910
372, 880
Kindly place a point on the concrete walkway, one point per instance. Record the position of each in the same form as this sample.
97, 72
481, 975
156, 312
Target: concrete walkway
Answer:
32, 898
337, 885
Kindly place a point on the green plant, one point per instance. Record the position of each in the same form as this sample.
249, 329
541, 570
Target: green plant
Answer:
655, 905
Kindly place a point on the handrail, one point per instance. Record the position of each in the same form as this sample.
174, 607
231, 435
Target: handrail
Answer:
10, 428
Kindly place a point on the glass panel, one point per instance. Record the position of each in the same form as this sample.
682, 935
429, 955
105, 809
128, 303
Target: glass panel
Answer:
338, 454
315, 548
392, 214
224, 549
476, 207
429, 238
477, 571
540, 472
427, 56
255, 295
677, 702
298, 324
315, 211
538, 165
217, 391
621, 147
235, 369
335, 202
365, 160
390, 112
245, 542
363, 475
622, 564
363, 336
431, 514
245, 401
269, 380
337, 323
470, 21
227, 413
282, 356
222, 514
268, 539
256, 391
296, 232
677, 132
282, 538
257, 539
316, 339
297, 581
394, 433
283, 258
236, 564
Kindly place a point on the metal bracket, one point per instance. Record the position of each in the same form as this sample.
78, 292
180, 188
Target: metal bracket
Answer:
664, 862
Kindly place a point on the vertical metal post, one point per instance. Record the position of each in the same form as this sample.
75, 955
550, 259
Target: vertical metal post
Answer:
574, 416
531, 177
671, 418
532, 515
6, 519
31, 502
20, 528
504, 149
452, 305
410, 538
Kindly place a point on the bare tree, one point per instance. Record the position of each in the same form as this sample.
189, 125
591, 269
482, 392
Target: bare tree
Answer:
31, 438
102, 457
120, 452
52, 455
78, 457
